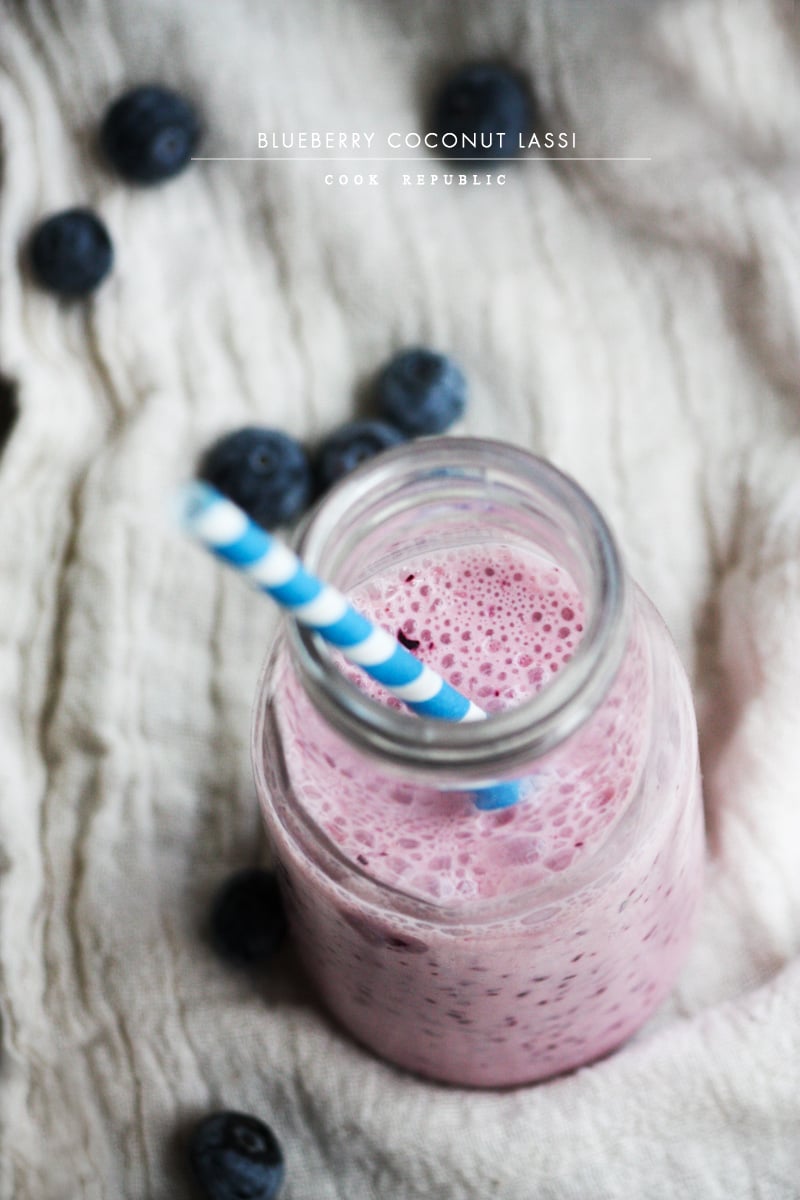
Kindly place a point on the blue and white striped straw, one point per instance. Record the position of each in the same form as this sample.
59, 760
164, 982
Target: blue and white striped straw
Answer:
270, 566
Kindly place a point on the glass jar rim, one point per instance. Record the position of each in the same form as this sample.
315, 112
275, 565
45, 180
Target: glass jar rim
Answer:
510, 739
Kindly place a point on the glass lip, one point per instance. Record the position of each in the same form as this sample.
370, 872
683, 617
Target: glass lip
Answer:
505, 740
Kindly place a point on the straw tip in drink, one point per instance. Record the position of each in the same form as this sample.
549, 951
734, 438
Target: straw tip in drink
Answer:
499, 795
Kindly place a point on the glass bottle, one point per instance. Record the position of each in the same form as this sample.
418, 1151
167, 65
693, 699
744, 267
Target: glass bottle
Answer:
484, 948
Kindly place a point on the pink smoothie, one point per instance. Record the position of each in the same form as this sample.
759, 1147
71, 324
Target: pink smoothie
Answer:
503, 946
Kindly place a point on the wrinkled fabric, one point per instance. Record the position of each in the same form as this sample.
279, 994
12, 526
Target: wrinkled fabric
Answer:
636, 322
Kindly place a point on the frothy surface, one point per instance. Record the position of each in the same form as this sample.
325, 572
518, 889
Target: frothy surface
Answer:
499, 624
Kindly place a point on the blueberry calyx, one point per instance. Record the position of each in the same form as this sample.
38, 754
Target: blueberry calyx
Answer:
149, 134
264, 471
71, 252
421, 392
236, 1157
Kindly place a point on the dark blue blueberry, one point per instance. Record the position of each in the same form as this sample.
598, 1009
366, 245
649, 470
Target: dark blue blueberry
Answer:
420, 392
352, 444
71, 252
248, 923
149, 134
484, 99
236, 1157
265, 472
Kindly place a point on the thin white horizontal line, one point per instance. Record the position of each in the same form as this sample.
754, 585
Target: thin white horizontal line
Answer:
431, 162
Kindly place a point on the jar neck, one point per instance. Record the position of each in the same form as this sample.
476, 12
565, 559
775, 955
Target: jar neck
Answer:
445, 493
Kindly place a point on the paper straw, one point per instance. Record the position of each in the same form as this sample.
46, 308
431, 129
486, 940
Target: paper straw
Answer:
270, 566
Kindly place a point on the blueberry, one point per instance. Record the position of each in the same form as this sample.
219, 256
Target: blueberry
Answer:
247, 918
420, 391
482, 99
149, 134
350, 445
265, 472
236, 1157
71, 252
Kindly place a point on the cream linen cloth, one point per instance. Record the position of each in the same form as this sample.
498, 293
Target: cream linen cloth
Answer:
636, 322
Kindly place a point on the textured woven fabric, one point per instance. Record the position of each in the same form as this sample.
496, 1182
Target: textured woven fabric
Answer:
639, 323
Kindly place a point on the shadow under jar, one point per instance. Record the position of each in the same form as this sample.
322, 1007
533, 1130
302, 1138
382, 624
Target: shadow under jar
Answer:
484, 948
